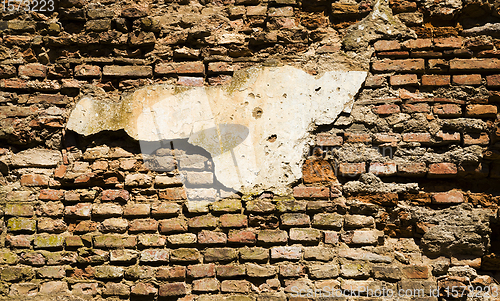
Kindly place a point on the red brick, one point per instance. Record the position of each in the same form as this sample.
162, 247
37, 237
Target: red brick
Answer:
386, 45
173, 289
467, 80
242, 237
233, 220
439, 65
128, 71
137, 210
383, 169
404, 79
190, 81
357, 138
201, 270
331, 237
375, 81
220, 67
475, 64
115, 195
418, 44
481, 111
451, 42
60, 171
408, 65
442, 169
352, 169
20, 241
450, 197
493, 80
426, 54
185, 68
394, 54
34, 180
412, 169
416, 272
87, 71
328, 140
311, 192
50, 195
211, 237
287, 253
33, 70
144, 289
476, 139
386, 109
81, 210
417, 137
416, 108
448, 137
447, 110
435, 80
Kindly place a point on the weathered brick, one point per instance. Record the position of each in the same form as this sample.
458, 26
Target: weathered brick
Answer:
416, 272
417, 137
143, 225
87, 71
23, 290
173, 289
323, 271
286, 253
362, 237
171, 273
305, 235
185, 255
386, 273
301, 192
352, 169
233, 220
386, 45
116, 289
407, 65
235, 286
18, 209
206, 285
418, 44
256, 254
185, 68
34, 180
212, 237
404, 79
475, 64
451, 42
82, 210
295, 219
231, 270
173, 194
151, 240
442, 169
51, 272
50, 195
48, 241
450, 197
115, 195
447, 110
436, 80
242, 237
118, 225
227, 205
481, 111
54, 287
114, 241
107, 209
33, 70
272, 236
343, 9
144, 289
19, 241
154, 255
21, 224
137, 210
318, 253
128, 71
383, 169
201, 270
331, 237
173, 225
328, 220
292, 270
412, 169
467, 80
203, 221
375, 81
476, 139
51, 225
220, 254
328, 140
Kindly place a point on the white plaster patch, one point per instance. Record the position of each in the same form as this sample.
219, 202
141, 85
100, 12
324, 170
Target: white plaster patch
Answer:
257, 130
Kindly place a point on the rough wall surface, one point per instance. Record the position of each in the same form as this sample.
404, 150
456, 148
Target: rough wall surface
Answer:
400, 193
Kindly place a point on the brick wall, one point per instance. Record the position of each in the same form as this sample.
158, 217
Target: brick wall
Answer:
401, 193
